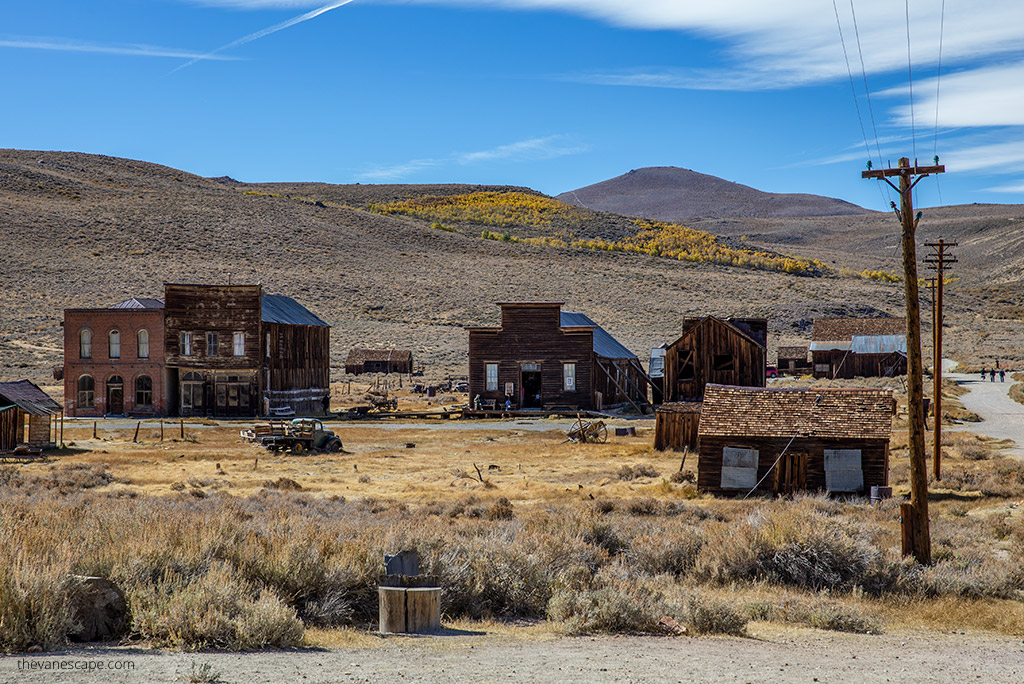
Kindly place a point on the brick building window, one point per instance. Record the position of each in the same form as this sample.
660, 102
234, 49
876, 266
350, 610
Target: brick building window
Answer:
239, 344
143, 336
143, 391
185, 344
86, 392
211, 344
85, 343
114, 339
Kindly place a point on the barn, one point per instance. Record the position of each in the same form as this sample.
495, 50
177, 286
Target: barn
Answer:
544, 358
859, 347
361, 361
715, 350
784, 440
26, 417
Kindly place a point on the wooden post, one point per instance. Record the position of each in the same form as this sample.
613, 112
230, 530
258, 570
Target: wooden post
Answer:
181, 426
938, 262
61, 429
94, 429
915, 518
161, 429
137, 426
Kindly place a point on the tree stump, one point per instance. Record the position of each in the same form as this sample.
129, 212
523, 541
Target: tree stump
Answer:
409, 610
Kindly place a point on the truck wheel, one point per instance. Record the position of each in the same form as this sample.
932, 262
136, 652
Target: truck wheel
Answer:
333, 446
297, 448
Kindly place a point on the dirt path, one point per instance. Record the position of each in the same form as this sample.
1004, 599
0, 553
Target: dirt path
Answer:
1002, 417
777, 655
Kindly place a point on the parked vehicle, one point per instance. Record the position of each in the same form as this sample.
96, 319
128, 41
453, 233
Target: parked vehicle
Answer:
301, 434
771, 372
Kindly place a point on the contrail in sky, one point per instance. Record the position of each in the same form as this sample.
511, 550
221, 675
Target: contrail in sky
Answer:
312, 14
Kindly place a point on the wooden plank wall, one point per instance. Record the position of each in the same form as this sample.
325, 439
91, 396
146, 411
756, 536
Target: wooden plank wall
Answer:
224, 310
676, 430
10, 434
874, 460
707, 339
532, 333
625, 374
299, 365
856, 365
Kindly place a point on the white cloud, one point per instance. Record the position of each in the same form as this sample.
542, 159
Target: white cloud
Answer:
131, 49
986, 96
533, 149
1015, 189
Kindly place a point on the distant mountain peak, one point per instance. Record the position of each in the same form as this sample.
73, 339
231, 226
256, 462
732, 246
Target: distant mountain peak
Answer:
671, 193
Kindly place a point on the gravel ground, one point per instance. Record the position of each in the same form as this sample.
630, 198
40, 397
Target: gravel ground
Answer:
779, 655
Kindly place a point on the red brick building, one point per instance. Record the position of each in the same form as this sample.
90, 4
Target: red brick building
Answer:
114, 360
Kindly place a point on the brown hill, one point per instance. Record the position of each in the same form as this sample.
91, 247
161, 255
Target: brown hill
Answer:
85, 230
668, 193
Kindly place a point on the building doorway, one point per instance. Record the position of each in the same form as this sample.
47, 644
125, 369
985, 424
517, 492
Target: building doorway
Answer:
530, 382
791, 473
192, 394
115, 395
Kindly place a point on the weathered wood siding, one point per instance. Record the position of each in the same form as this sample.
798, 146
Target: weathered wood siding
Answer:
676, 427
202, 309
618, 381
708, 339
874, 460
297, 365
11, 428
533, 334
843, 364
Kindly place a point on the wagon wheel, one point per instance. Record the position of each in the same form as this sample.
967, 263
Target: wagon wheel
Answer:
601, 436
297, 448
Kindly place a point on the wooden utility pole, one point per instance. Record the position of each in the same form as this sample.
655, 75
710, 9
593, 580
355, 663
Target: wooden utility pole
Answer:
916, 535
938, 263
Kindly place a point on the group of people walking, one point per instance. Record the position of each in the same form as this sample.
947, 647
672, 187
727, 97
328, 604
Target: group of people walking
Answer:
992, 374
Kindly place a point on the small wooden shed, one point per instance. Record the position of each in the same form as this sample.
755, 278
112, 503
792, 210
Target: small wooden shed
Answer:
794, 360
859, 347
26, 415
784, 440
378, 361
676, 426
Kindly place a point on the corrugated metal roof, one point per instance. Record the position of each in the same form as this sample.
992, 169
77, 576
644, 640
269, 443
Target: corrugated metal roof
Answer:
27, 396
139, 303
879, 344
604, 344
831, 346
281, 309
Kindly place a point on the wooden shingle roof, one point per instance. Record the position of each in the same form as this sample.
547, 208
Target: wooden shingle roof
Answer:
793, 352
27, 396
812, 412
843, 329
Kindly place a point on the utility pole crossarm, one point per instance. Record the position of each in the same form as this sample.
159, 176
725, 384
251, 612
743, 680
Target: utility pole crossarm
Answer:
904, 171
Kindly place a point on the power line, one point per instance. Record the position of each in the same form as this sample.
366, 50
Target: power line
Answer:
864, 74
938, 80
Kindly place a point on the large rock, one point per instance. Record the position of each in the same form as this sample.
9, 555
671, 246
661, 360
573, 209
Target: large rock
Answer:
99, 609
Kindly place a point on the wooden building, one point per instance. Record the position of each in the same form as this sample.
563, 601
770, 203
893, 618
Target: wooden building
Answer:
859, 347
676, 426
794, 360
234, 351
543, 357
378, 361
784, 440
27, 416
715, 350
114, 360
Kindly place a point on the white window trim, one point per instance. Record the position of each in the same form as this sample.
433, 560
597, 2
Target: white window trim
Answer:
238, 343
112, 345
185, 343
488, 385
569, 379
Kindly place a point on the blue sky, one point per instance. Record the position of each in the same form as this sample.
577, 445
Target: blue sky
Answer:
552, 94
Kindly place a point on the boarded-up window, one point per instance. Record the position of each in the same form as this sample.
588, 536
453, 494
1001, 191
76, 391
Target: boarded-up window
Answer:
239, 343
492, 377
569, 377
739, 468
722, 362
843, 470
687, 370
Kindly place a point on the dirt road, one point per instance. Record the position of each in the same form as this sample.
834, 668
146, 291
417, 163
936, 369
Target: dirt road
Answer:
773, 654
1002, 417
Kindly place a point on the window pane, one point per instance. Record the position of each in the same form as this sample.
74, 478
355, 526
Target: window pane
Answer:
115, 344
143, 344
186, 344
569, 377
722, 362
211, 344
492, 377
85, 344
239, 344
